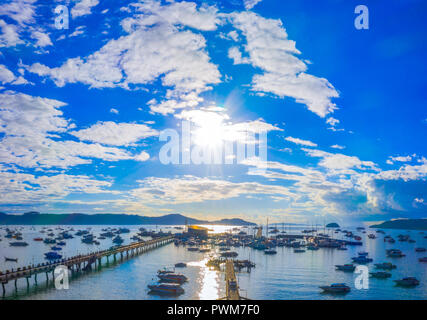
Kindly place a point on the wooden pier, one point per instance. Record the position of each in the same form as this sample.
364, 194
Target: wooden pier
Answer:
231, 286
81, 262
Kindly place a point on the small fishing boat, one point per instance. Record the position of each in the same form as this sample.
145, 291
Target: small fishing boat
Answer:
385, 266
380, 275
299, 250
61, 243
420, 249
362, 259
422, 259
10, 259
52, 256
204, 250
407, 282
336, 288
18, 244
38, 239
270, 251
54, 248
193, 249
372, 236
180, 265
172, 277
312, 247
167, 288
229, 254
346, 267
118, 240
395, 253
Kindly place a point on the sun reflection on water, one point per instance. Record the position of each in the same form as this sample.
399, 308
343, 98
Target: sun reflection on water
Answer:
208, 279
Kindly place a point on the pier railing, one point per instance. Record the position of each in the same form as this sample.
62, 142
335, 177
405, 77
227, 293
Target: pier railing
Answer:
82, 262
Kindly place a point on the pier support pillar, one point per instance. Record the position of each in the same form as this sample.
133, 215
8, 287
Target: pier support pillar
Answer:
4, 289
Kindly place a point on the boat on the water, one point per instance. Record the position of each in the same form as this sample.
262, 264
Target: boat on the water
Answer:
38, 239
346, 267
229, 254
11, 259
18, 244
420, 249
52, 256
407, 282
167, 288
395, 253
385, 266
299, 250
336, 288
270, 251
172, 277
380, 275
424, 259
180, 265
362, 259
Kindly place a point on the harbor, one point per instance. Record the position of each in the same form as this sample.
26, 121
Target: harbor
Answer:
229, 263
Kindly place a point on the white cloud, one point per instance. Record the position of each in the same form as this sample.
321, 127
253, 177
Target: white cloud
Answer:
191, 189
6, 76
401, 158
337, 146
32, 125
115, 111
9, 36
301, 142
249, 4
117, 134
43, 39
332, 121
83, 8
235, 54
284, 74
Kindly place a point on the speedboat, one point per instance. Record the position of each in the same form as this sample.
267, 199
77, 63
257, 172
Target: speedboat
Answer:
167, 288
346, 267
380, 275
336, 288
172, 277
385, 266
407, 282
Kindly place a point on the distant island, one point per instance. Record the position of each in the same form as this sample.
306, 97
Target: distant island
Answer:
36, 218
332, 225
407, 224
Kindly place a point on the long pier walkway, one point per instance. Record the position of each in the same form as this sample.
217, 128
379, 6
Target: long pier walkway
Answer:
231, 286
81, 262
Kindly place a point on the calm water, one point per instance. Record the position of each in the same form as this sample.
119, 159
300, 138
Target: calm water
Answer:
287, 275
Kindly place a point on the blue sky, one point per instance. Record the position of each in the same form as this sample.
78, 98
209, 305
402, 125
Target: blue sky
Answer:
81, 109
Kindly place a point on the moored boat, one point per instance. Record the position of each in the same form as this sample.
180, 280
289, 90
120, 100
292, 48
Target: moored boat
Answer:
167, 288
385, 266
380, 275
407, 282
172, 277
336, 288
346, 267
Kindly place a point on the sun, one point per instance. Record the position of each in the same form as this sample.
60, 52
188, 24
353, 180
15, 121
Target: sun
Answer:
211, 134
